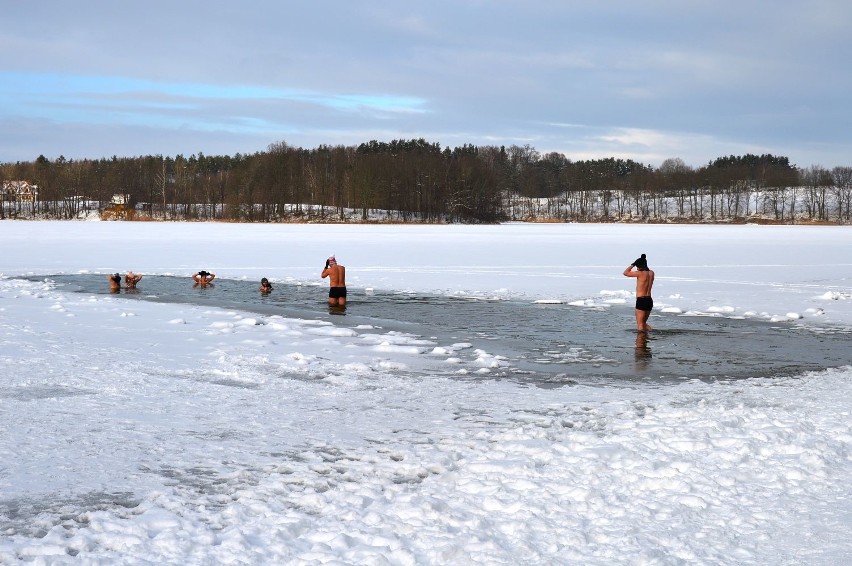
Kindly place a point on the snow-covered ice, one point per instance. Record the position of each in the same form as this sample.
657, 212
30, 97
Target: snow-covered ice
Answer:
141, 432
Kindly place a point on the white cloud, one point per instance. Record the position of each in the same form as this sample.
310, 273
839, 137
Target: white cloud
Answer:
679, 79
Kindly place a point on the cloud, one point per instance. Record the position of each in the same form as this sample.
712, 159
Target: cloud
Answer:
646, 80
206, 107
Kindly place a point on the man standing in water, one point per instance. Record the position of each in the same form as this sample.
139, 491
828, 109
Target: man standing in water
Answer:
644, 282
337, 278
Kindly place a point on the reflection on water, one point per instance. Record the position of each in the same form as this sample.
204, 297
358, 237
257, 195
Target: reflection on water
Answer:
542, 343
643, 353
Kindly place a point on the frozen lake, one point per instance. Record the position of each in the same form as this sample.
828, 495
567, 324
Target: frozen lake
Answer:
482, 400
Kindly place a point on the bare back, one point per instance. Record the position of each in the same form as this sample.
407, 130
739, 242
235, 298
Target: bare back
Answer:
644, 282
336, 275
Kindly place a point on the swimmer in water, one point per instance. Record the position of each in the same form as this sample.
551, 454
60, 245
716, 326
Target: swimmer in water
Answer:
131, 279
203, 278
265, 286
337, 279
644, 282
114, 282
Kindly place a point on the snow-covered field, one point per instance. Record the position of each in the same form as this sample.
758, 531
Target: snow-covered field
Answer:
149, 433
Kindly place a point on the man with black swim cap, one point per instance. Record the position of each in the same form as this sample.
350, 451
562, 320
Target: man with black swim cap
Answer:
114, 282
203, 278
644, 282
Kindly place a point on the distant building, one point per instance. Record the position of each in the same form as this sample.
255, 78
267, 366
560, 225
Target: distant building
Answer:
120, 199
19, 191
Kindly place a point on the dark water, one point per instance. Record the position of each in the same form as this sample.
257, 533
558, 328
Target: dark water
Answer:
544, 343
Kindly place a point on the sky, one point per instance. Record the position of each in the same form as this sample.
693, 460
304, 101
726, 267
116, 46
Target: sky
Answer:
647, 81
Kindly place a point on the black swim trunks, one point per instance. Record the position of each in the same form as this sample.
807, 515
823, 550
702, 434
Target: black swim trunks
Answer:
337, 292
644, 303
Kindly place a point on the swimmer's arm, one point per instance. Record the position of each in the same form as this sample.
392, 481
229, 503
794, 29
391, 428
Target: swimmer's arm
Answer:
325, 273
212, 277
629, 273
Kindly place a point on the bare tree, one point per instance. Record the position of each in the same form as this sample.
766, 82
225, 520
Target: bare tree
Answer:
842, 188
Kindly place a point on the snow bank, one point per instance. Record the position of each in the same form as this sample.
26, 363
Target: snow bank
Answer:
196, 435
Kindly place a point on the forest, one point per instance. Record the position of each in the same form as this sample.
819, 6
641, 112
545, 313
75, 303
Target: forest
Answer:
418, 181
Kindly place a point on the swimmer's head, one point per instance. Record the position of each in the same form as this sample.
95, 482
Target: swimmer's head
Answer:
641, 263
203, 273
332, 261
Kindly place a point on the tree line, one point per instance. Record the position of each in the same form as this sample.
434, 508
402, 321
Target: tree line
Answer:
416, 180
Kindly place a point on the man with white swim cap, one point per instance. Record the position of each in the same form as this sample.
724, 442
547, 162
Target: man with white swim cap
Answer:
337, 279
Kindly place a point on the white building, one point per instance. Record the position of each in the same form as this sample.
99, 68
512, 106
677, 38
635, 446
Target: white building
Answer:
19, 191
